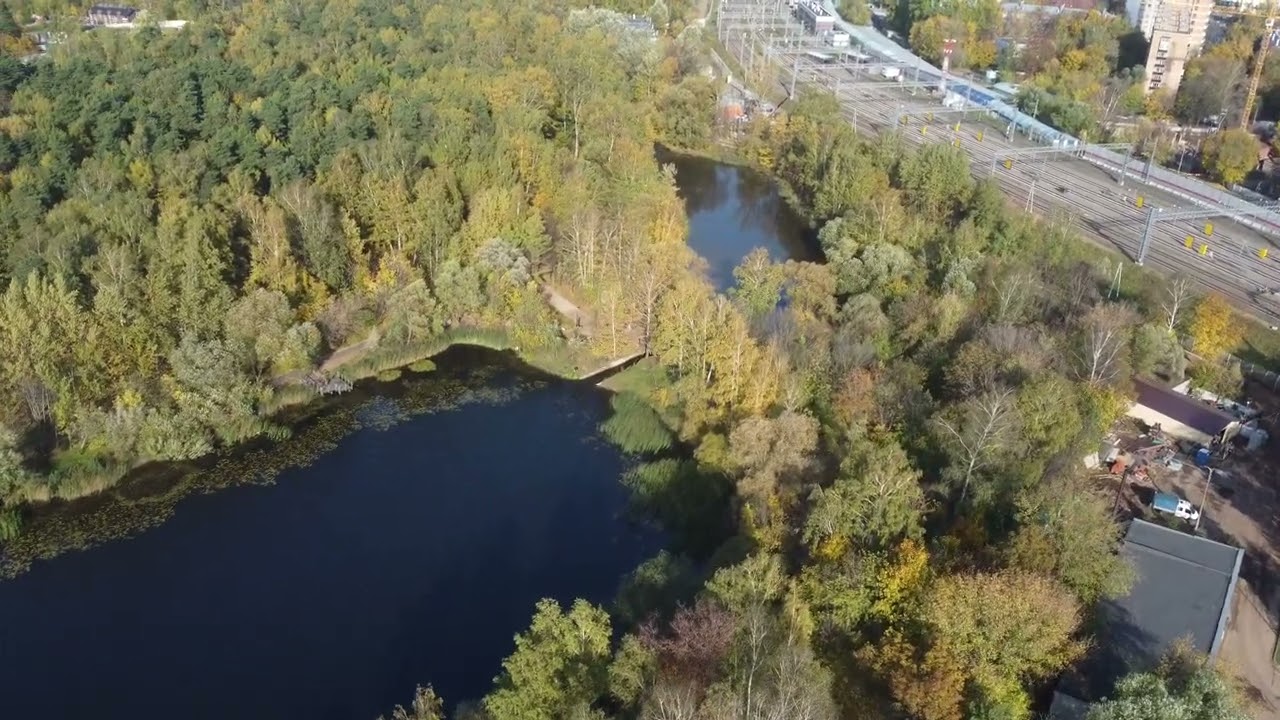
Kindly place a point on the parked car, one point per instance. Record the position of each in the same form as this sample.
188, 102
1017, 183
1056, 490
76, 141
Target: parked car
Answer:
1174, 505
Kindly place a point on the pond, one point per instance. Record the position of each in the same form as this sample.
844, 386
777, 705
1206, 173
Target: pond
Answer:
401, 537
733, 210
409, 554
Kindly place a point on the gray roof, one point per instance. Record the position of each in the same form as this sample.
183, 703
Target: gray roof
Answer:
1185, 409
122, 10
1183, 589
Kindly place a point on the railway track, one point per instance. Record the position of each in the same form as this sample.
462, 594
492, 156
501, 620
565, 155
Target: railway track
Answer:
1102, 209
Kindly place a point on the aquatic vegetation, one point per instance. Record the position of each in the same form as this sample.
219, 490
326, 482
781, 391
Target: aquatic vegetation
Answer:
635, 426
380, 413
150, 496
10, 523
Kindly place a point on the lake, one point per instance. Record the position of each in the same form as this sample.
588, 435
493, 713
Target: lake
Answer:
733, 210
405, 544
409, 554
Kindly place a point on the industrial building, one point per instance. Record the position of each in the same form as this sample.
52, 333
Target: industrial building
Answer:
1181, 416
1185, 589
1176, 30
814, 17
101, 15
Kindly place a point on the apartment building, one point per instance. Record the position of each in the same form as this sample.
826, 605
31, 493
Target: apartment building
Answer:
1176, 30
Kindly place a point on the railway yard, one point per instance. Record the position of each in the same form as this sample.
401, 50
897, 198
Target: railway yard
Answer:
1214, 246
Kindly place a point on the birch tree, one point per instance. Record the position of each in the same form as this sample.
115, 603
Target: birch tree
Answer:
976, 433
1103, 343
1177, 296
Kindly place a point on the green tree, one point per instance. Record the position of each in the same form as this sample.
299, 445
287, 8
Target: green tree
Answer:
759, 284
875, 500
412, 315
855, 11
211, 387
1067, 530
256, 323
1156, 351
559, 667
1184, 687
1230, 155
936, 179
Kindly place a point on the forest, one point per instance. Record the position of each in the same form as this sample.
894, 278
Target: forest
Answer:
902, 526
192, 221
869, 468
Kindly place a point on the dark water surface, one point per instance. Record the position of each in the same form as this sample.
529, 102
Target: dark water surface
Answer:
733, 210
409, 554
433, 514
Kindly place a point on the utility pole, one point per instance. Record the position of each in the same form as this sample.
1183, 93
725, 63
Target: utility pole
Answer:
1146, 233
795, 70
1204, 498
1151, 158
1124, 169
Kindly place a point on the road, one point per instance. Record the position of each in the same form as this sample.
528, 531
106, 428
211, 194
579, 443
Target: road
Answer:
1103, 209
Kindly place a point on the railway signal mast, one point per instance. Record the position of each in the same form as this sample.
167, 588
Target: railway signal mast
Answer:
948, 46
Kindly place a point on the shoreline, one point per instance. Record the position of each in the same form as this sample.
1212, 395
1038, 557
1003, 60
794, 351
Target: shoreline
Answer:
147, 496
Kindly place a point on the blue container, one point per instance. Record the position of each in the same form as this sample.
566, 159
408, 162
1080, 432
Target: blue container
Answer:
1202, 457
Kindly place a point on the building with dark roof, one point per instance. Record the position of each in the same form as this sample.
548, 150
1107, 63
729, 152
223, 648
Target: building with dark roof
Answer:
1180, 416
1183, 590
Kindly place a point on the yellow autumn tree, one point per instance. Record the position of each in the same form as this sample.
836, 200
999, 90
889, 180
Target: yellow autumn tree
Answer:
1214, 328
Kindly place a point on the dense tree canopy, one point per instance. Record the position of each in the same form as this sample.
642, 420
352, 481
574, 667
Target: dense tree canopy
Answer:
213, 211
869, 461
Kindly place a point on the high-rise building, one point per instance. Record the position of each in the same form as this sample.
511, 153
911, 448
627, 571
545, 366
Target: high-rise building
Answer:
1176, 30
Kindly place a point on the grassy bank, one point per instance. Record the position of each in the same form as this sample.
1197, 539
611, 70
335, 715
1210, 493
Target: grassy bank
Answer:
560, 360
148, 495
279, 409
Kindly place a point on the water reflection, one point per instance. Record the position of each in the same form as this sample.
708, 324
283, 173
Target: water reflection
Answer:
733, 210
409, 551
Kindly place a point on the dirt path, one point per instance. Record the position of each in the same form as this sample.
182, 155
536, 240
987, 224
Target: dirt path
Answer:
1247, 654
346, 354
566, 307
1242, 509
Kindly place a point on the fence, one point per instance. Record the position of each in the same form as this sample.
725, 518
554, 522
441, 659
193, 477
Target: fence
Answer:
1189, 189
1257, 372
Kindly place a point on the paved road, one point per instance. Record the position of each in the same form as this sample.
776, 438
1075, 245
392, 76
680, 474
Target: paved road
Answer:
1102, 208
